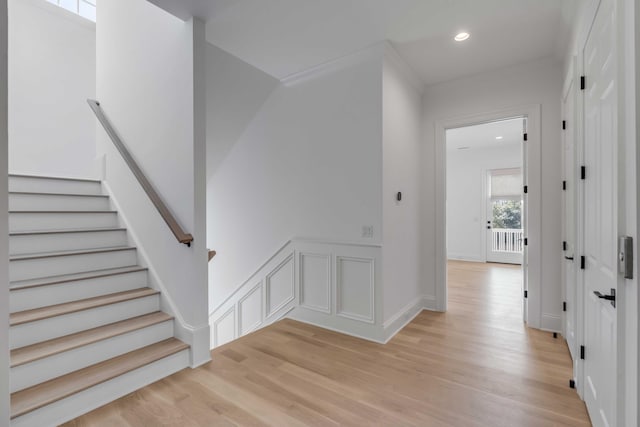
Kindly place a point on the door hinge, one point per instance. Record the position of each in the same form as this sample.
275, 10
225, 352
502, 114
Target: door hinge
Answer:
564, 125
564, 185
582, 352
526, 241
583, 262
526, 189
564, 306
526, 294
583, 172
564, 246
583, 82
526, 136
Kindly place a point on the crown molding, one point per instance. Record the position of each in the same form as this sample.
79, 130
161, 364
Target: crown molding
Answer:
370, 52
392, 55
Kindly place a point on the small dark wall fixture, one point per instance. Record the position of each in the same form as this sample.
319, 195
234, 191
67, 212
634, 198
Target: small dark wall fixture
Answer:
399, 196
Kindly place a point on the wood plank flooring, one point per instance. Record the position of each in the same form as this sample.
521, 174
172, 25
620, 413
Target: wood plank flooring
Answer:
476, 365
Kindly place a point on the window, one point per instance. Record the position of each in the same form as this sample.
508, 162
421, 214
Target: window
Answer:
84, 8
505, 182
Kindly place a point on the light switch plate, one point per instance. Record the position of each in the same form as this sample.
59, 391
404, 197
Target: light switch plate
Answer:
367, 231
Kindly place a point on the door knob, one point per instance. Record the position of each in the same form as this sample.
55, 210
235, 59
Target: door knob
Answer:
611, 297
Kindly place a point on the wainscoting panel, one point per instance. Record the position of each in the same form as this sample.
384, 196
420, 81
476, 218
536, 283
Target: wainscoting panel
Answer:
355, 292
355, 287
250, 311
280, 285
267, 296
334, 285
315, 281
224, 328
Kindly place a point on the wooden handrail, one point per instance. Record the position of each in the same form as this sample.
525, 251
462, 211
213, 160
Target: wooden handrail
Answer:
164, 211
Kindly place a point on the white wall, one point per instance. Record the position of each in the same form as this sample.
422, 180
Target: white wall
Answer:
52, 72
538, 82
235, 92
150, 83
402, 136
4, 226
309, 164
466, 196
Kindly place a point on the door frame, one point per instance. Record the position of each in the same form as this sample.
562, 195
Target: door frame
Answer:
531, 177
573, 191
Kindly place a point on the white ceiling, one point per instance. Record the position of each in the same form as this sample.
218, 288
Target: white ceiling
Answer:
283, 37
484, 135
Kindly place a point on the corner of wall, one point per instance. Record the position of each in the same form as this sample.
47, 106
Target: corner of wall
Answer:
391, 55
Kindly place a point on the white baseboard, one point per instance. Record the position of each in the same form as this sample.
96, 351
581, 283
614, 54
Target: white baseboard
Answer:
198, 339
465, 257
354, 328
379, 334
429, 302
401, 319
551, 322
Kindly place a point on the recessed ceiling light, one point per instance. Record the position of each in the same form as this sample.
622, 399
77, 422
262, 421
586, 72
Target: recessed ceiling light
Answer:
460, 37
499, 137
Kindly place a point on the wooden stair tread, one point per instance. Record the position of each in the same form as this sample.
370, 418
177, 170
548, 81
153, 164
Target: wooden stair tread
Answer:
36, 314
31, 353
55, 280
61, 178
24, 257
65, 212
76, 230
43, 394
42, 193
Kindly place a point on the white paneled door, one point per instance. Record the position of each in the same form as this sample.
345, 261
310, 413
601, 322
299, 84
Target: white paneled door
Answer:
600, 217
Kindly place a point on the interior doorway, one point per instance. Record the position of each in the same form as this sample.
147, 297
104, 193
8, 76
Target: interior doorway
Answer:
485, 199
486, 196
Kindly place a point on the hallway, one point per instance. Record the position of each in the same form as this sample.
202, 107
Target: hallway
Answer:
476, 365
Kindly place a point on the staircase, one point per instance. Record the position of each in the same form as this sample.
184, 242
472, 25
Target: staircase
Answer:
85, 328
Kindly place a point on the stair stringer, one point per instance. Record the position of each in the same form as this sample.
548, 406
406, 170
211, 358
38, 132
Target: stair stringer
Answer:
197, 336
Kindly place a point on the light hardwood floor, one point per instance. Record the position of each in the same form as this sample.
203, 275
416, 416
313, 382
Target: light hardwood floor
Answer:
476, 365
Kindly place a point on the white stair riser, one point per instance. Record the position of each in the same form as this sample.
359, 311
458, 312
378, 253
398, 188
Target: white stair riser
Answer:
48, 185
94, 397
70, 264
42, 296
58, 326
34, 243
52, 202
39, 371
61, 221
